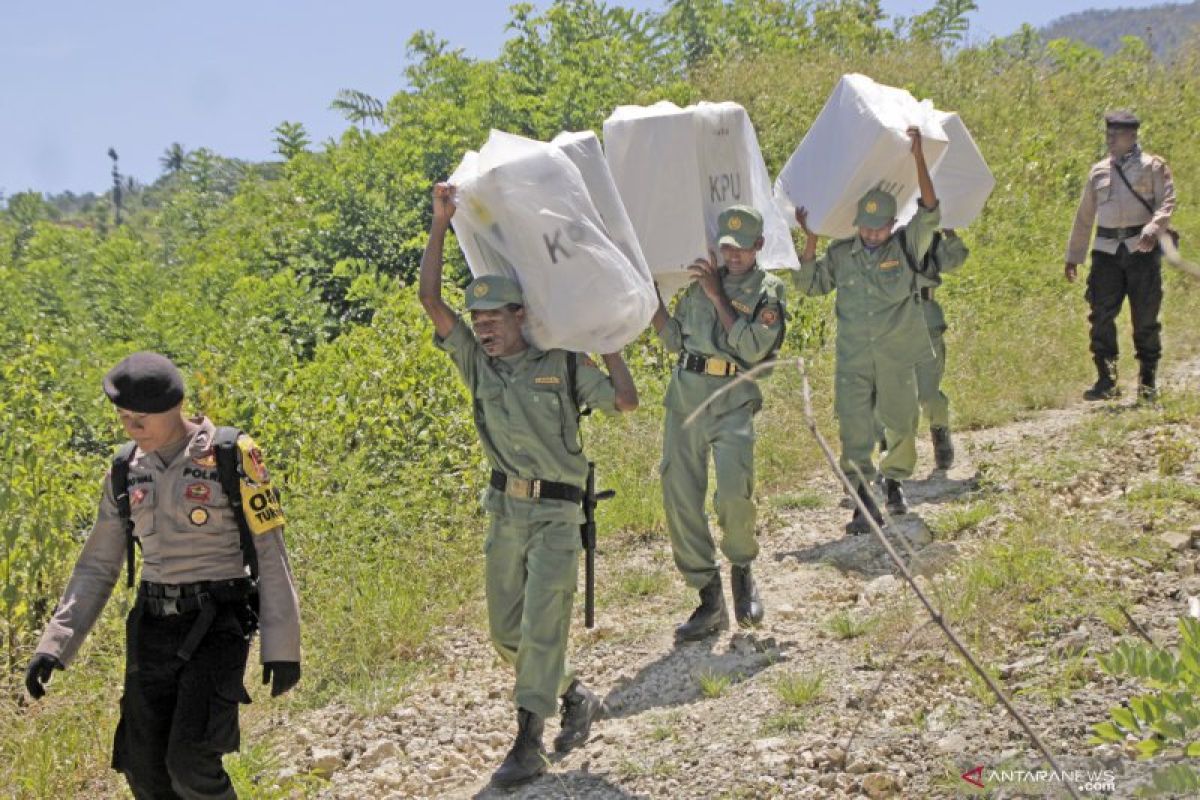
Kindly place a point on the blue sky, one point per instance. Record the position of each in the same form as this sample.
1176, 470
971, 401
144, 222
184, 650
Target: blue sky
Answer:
79, 77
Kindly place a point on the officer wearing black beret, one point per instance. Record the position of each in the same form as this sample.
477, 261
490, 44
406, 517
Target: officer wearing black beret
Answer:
214, 570
1129, 196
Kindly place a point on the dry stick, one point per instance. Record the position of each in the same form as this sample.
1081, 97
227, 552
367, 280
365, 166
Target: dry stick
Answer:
933, 613
1171, 253
870, 701
1134, 623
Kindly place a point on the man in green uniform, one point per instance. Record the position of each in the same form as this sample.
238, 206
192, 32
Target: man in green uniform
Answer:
526, 406
947, 253
188, 634
882, 332
729, 319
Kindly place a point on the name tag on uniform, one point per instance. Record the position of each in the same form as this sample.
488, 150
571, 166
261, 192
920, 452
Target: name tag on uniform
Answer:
547, 380
742, 307
888, 264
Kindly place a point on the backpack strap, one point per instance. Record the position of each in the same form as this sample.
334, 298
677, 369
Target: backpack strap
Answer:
119, 478
225, 445
1134, 191
573, 384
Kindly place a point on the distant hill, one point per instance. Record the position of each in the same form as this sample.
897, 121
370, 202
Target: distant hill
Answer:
1167, 26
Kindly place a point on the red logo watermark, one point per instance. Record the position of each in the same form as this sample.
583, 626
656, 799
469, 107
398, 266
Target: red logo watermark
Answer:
974, 777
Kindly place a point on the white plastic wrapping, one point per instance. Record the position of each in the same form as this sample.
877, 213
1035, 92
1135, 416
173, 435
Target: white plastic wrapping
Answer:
677, 169
525, 211
857, 142
962, 179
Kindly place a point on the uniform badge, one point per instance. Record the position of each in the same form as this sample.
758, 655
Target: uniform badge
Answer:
137, 496
871, 207
253, 466
206, 459
768, 316
549, 380
198, 492
735, 223
198, 515
742, 307
888, 264
480, 289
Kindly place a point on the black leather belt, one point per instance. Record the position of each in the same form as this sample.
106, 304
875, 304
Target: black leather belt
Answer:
170, 599
717, 367
535, 488
1119, 234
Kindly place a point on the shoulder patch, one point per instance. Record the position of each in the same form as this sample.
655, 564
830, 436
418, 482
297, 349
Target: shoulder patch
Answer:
586, 361
252, 461
768, 316
260, 500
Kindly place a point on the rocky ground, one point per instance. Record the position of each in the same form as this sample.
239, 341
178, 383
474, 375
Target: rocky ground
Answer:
792, 709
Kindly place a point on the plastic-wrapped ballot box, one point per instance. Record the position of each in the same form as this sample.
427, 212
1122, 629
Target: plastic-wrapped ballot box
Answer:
856, 143
961, 179
677, 169
524, 211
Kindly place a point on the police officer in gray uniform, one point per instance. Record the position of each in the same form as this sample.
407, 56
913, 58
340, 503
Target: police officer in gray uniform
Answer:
189, 632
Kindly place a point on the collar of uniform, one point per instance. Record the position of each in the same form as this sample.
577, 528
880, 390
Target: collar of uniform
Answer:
202, 437
1134, 154
858, 246
514, 362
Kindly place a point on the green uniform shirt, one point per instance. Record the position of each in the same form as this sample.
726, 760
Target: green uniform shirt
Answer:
880, 323
757, 297
527, 420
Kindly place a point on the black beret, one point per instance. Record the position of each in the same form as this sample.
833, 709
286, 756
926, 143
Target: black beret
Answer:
145, 382
1121, 119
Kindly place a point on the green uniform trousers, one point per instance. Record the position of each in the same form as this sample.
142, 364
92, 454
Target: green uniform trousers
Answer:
532, 568
889, 396
932, 399
730, 437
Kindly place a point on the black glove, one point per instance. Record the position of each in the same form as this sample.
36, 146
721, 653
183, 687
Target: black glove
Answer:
282, 675
41, 667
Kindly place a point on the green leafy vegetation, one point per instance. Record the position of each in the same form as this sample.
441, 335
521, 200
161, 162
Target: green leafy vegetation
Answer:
284, 291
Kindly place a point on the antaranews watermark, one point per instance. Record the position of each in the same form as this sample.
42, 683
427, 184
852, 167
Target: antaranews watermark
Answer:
1083, 780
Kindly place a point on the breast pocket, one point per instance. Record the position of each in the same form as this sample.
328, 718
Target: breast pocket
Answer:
141, 509
1103, 190
203, 505
553, 416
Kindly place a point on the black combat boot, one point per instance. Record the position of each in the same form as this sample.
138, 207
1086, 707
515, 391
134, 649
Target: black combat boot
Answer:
896, 504
1105, 387
858, 523
943, 448
527, 758
1147, 392
709, 617
580, 707
747, 605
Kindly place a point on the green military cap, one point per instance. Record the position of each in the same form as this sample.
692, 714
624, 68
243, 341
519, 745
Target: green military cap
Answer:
739, 226
493, 291
145, 382
1122, 119
876, 209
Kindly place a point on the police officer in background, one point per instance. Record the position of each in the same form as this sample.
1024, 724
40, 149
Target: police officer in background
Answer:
189, 632
1130, 197
526, 404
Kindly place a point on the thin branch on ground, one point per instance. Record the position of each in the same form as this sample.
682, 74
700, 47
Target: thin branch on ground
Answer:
934, 614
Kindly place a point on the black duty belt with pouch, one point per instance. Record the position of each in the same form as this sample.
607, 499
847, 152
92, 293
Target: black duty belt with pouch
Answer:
535, 488
1120, 234
717, 367
170, 599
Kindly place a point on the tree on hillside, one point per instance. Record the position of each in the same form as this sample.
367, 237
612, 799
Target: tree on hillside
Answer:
944, 24
116, 190
290, 139
358, 107
173, 158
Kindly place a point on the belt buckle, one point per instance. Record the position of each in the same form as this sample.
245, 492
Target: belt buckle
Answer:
716, 367
519, 487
